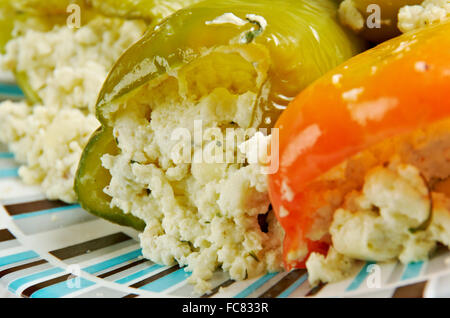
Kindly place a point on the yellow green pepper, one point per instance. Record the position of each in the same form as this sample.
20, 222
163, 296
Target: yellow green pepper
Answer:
150, 10
7, 17
303, 39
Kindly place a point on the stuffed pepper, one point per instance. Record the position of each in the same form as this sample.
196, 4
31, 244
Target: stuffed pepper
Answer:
212, 70
60, 53
365, 159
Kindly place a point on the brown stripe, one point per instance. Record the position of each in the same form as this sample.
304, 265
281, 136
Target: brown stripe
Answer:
121, 269
150, 279
89, 246
20, 208
20, 267
410, 291
6, 235
32, 289
130, 296
314, 291
283, 284
76, 250
216, 289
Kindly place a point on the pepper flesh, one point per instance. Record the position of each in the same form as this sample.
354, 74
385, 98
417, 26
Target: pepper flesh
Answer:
399, 86
92, 173
132, 9
6, 24
180, 39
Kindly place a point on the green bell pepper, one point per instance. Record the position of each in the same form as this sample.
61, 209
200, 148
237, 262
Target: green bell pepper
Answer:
303, 40
150, 10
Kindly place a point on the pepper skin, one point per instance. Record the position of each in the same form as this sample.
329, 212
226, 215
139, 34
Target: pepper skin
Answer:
395, 88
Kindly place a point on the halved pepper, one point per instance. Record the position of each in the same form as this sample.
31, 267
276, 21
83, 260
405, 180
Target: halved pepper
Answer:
303, 39
6, 23
398, 87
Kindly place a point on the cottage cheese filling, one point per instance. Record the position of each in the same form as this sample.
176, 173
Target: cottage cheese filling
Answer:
65, 68
394, 206
205, 215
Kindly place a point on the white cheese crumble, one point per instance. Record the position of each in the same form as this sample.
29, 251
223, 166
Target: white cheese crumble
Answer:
256, 148
48, 142
330, 268
350, 16
395, 216
202, 215
417, 16
65, 68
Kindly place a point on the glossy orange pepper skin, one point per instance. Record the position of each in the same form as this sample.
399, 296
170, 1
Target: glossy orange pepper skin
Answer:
395, 88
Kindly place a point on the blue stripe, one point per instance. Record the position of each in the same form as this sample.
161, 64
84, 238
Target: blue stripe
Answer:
113, 262
6, 260
250, 289
74, 284
15, 285
167, 281
293, 287
63, 288
412, 270
139, 274
10, 89
6, 155
7, 173
42, 212
360, 277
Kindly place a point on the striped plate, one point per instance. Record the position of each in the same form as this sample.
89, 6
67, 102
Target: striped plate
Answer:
52, 249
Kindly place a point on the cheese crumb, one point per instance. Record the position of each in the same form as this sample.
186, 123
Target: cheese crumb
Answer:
65, 68
350, 16
418, 16
330, 268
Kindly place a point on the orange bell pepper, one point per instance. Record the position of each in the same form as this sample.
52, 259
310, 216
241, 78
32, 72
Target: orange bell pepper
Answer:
395, 88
